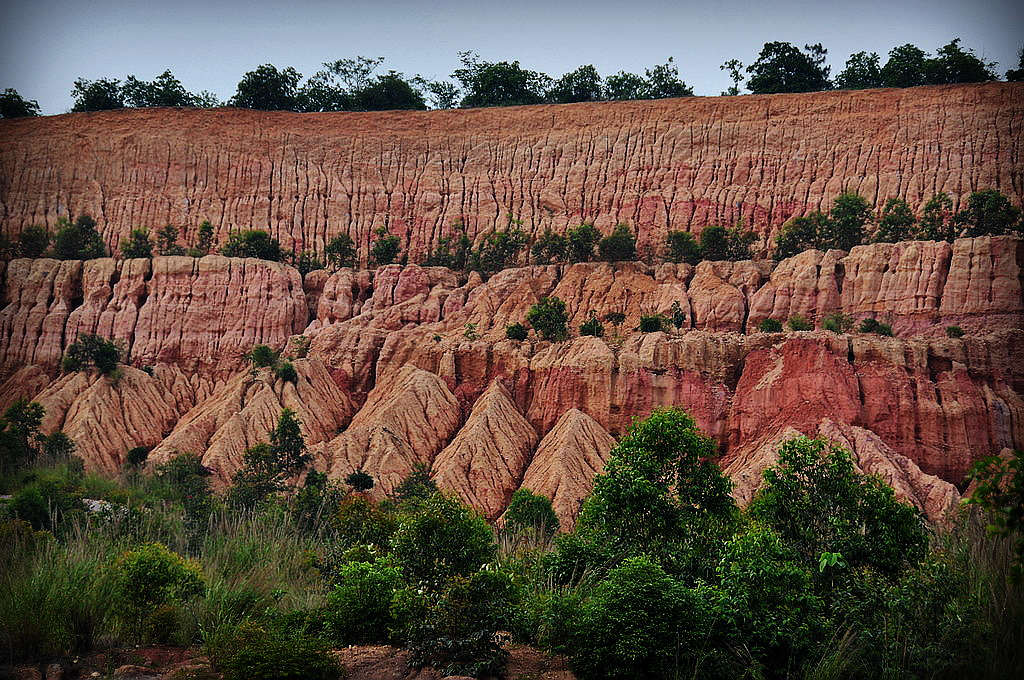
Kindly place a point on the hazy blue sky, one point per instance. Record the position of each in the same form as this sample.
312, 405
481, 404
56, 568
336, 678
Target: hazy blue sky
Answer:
46, 44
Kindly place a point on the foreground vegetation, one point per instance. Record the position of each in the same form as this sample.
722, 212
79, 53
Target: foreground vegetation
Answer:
825, 575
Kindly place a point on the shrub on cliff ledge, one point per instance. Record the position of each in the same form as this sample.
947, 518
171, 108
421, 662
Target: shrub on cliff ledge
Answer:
252, 243
385, 248
137, 245
33, 241
548, 318
770, 326
516, 331
618, 246
91, 351
341, 251
78, 241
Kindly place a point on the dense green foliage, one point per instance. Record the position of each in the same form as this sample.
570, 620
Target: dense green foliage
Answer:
341, 251
770, 326
33, 241
548, 317
528, 511
385, 249
782, 67
78, 241
252, 243
618, 246
798, 322
138, 244
516, 331
91, 351
1000, 491
13, 105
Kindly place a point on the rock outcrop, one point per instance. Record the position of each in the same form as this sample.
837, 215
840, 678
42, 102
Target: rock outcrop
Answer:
486, 460
244, 410
564, 465
410, 365
673, 163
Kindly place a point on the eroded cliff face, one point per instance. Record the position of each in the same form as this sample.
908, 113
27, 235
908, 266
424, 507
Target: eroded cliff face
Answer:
410, 365
674, 163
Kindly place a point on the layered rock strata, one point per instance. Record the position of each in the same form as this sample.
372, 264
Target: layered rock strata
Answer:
656, 165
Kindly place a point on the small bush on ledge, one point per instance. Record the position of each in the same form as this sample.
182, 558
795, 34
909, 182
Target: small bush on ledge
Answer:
770, 326
954, 332
799, 323
516, 331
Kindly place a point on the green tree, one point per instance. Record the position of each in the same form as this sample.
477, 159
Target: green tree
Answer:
385, 249
189, 482
341, 251
388, 92
800, 234
91, 351
167, 241
499, 249
13, 105
818, 503
137, 245
1016, 75
896, 223
663, 82
581, 242
735, 69
953, 64
850, 212
516, 331
581, 85
151, 575
624, 86
618, 246
438, 538
683, 247
97, 95
19, 434
639, 622
862, 72
417, 485
938, 222
592, 326
205, 243
443, 94
252, 243
359, 480
78, 241
358, 609
1000, 492
990, 213
33, 241
528, 511
661, 494
268, 89
164, 90
548, 318
550, 247
781, 67
906, 67
267, 468
498, 84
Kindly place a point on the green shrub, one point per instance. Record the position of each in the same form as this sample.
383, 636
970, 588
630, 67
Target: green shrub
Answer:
816, 501
163, 626
136, 456
137, 245
639, 623
252, 243
766, 597
78, 241
91, 351
33, 241
286, 371
652, 323
359, 480
151, 576
592, 327
188, 482
582, 241
360, 521
550, 247
896, 222
385, 248
358, 609
269, 651
341, 251
45, 503
798, 323
548, 317
990, 213
439, 538
261, 356
516, 331
954, 332
838, 323
498, 250
417, 485
678, 316
770, 326
452, 628
268, 469
307, 262
530, 511
205, 243
167, 241
870, 325
683, 247
618, 246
